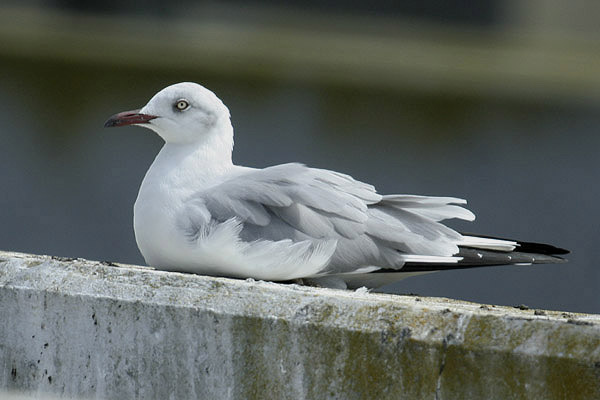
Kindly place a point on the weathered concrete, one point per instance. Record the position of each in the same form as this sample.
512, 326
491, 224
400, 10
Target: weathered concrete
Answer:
85, 329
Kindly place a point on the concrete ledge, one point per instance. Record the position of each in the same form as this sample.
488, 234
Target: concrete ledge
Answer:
86, 329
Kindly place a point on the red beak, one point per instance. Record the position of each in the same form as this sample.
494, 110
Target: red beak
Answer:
128, 118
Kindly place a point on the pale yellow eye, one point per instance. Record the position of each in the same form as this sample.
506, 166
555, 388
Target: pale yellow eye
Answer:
182, 105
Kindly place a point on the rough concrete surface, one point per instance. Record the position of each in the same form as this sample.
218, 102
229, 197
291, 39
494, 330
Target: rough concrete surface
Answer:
90, 330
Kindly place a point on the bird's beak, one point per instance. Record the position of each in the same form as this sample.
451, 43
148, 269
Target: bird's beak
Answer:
128, 118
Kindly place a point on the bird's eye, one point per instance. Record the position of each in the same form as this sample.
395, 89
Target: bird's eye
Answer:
182, 105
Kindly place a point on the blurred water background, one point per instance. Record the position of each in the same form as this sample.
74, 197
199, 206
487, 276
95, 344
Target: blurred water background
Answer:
496, 102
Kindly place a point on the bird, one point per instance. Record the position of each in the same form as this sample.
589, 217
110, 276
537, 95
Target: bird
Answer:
198, 212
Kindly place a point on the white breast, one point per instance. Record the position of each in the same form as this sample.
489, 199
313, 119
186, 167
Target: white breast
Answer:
173, 177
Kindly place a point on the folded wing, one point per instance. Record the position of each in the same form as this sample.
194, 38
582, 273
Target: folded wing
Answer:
313, 209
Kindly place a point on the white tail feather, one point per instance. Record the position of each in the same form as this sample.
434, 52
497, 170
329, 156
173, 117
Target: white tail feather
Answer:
429, 259
488, 243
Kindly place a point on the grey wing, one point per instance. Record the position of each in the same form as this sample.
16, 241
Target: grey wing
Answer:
292, 202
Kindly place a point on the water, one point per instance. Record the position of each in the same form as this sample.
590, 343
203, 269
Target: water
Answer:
529, 171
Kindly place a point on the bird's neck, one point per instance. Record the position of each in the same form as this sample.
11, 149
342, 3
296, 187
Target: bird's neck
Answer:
192, 165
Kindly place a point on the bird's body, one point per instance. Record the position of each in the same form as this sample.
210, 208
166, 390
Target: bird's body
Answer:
198, 212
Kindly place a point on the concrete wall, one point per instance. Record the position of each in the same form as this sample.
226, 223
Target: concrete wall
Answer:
89, 330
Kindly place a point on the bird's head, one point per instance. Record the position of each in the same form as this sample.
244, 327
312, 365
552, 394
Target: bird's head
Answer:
181, 113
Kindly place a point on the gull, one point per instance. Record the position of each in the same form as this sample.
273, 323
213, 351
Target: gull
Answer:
196, 211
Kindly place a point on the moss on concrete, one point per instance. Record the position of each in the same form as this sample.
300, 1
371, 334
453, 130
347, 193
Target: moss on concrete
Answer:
94, 330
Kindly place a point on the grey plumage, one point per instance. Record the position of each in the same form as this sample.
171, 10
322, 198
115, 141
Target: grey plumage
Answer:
292, 201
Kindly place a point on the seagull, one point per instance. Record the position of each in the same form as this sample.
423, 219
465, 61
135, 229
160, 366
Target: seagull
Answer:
198, 212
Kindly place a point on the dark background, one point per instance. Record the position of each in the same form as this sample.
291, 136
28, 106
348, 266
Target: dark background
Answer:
521, 146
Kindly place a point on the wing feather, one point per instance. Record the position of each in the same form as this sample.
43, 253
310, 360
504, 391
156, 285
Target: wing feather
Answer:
293, 203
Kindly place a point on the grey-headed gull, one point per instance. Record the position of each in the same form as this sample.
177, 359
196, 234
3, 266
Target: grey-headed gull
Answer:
198, 212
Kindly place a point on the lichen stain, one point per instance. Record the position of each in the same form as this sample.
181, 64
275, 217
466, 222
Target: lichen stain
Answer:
353, 364
496, 361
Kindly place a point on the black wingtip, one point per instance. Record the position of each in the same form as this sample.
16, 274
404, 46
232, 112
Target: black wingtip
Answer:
541, 248
525, 253
527, 247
